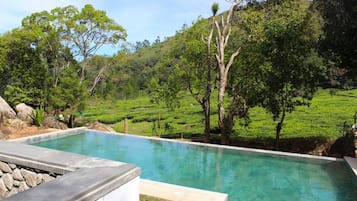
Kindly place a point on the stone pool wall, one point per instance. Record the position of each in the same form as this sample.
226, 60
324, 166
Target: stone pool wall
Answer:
30, 173
16, 178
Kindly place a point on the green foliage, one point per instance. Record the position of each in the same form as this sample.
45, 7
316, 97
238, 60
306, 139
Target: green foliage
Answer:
281, 64
37, 116
69, 94
323, 118
24, 76
338, 42
288, 47
215, 8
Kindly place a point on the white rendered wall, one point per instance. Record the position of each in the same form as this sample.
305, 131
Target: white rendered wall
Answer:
126, 192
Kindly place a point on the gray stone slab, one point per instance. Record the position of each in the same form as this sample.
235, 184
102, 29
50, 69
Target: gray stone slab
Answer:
48, 159
85, 178
83, 184
49, 136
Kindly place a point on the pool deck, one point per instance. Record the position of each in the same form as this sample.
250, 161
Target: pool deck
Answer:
178, 193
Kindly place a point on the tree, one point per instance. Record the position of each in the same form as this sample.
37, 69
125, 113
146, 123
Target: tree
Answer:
189, 66
84, 31
339, 42
69, 95
223, 30
292, 65
24, 77
47, 40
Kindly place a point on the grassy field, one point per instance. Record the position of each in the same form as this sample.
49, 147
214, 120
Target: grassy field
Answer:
324, 118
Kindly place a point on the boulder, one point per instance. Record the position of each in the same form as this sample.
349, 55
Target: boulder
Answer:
24, 112
3, 136
16, 124
99, 126
51, 122
30, 177
6, 112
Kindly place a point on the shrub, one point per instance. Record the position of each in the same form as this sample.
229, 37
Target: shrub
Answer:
38, 115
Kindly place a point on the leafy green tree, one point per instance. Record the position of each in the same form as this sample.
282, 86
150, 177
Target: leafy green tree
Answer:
47, 39
292, 65
193, 64
69, 95
24, 77
87, 31
339, 42
84, 31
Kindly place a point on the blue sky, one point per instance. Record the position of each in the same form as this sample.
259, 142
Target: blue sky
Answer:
142, 19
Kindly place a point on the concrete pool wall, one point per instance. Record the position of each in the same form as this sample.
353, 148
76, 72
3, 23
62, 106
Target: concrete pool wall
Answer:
33, 173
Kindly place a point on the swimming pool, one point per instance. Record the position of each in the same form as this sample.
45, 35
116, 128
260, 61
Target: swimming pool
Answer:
244, 175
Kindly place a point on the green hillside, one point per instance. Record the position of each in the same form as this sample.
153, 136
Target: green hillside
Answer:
324, 118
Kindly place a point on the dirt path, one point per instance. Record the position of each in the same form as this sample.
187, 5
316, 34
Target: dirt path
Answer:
30, 131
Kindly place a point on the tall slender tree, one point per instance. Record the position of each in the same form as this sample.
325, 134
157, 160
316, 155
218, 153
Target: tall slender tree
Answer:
223, 29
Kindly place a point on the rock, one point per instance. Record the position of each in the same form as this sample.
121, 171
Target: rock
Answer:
3, 189
1, 173
23, 186
12, 166
16, 124
24, 112
5, 167
47, 178
30, 177
39, 178
3, 136
6, 112
16, 183
12, 192
51, 122
99, 126
8, 181
17, 175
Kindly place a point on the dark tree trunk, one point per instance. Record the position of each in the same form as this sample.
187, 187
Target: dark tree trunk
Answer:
224, 138
71, 119
226, 129
279, 126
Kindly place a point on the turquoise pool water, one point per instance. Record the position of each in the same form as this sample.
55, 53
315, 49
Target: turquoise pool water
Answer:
243, 175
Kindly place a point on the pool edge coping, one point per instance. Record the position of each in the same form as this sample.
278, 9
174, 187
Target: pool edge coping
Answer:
74, 131
352, 162
262, 151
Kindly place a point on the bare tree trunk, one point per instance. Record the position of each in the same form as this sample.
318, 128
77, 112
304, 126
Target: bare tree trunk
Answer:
221, 110
96, 80
83, 67
224, 29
